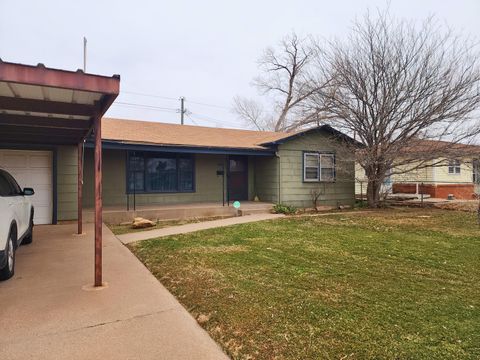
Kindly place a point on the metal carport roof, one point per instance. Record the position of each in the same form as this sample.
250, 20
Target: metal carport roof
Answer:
44, 105
40, 105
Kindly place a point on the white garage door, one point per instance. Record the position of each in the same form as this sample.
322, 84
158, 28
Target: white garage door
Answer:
33, 169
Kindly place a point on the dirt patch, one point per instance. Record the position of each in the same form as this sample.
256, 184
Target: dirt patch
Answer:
127, 228
470, 206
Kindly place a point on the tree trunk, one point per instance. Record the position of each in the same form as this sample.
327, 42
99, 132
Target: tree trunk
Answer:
478, 212
373, 193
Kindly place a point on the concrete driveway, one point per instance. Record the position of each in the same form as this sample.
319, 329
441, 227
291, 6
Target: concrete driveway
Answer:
45, 312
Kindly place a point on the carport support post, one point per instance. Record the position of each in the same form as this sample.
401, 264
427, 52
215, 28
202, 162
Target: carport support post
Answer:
80, 187
98, 199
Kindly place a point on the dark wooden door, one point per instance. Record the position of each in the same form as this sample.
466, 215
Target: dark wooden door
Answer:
237, 178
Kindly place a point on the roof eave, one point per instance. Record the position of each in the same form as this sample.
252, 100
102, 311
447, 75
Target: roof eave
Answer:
326, 128
116, 144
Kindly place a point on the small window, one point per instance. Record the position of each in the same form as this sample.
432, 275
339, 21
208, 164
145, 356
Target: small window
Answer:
318, 167
311, 168
454, 166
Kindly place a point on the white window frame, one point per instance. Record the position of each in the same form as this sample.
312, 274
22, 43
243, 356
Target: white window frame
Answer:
476, 171
319, 157
305, 155
454, 167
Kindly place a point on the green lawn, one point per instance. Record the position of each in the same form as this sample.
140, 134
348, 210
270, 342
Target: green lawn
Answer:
396, 284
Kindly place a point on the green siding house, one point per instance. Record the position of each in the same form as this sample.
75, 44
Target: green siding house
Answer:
155, 164
160, 164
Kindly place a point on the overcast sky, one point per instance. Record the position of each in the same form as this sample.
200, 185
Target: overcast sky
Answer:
203, 50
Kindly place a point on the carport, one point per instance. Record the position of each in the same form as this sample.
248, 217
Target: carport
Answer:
42, 108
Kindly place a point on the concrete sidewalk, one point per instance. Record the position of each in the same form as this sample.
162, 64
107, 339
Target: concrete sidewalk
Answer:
188, 228
46, 313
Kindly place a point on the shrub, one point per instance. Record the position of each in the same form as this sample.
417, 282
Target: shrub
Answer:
284, 209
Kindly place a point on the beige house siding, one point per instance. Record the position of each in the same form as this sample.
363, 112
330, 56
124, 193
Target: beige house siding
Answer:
410, 174
424, 174
67, 175
466, 173
208, 186
294, 191
360, 180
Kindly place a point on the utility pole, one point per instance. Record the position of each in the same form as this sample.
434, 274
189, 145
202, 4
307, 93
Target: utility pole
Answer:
84, 54
182, 109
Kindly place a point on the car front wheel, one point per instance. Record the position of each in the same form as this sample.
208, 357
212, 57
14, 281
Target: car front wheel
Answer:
9, 269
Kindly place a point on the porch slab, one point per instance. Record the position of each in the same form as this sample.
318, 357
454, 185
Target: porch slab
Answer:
120, 214
46, 313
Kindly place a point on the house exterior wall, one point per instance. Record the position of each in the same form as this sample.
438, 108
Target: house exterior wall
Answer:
266, 179
409, 173
67, 177
208, 186
407, 176
466, 173
270, 178
360, 180
294, 191
436, 179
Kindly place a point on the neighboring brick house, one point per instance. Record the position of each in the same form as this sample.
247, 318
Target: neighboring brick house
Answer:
457, 175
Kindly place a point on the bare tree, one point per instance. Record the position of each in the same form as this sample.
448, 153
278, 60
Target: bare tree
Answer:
394, 85
285, 83
253, 113
315, 194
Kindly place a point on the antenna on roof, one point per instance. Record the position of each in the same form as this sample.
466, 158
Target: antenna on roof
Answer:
84, 54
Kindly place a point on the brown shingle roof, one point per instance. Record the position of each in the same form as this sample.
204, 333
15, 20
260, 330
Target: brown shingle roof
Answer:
147, 132
441, 147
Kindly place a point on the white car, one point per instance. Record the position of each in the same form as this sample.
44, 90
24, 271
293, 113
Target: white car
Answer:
16, 221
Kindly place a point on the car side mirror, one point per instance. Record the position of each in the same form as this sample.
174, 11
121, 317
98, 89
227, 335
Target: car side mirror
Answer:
28, 192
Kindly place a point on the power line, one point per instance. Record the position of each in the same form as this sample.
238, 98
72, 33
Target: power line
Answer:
174, 99
129, 107
143, 106
149, 95
193, 121
212, 120
199, 116
210, 105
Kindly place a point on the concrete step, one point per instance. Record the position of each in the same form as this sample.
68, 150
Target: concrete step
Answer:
257, 211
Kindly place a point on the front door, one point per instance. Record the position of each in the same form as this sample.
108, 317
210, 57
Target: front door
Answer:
237, 178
